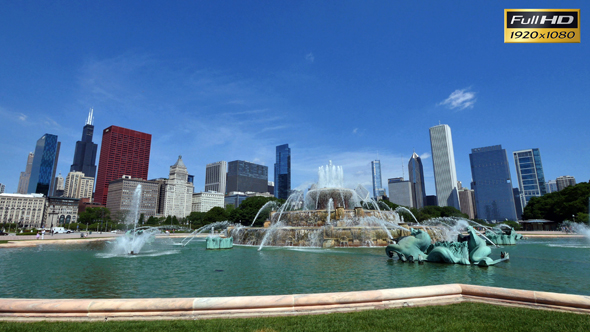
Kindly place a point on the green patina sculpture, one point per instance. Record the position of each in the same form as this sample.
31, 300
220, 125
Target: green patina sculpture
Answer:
411, 247
470, 249
216, 242
503, 236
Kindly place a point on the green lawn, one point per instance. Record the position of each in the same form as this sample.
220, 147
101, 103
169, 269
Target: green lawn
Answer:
458, 317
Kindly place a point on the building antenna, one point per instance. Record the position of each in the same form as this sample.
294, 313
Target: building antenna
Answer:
90, 119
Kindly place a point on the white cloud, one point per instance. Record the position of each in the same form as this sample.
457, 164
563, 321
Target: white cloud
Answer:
459, 99
354, 131
309, 57
425, 155
22, 117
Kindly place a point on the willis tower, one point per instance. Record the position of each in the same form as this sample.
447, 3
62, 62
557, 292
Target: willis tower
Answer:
85, 154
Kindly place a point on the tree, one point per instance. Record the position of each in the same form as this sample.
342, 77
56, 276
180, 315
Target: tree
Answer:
94, 214
248, 209
214, 215
561, 205
141, 219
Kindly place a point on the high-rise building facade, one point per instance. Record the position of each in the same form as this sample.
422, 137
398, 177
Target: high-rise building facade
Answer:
443, 162
85, 153
245, 176
378, 189
551, 186
59, 185
23, 181
530, 175
44, 165
400, 192
27, 210
78, 185
178, 192
123, 152
282, 171
492, 183
416, 172
467, 202
2, 188
216, 177
205, 201
565, 181
120, 198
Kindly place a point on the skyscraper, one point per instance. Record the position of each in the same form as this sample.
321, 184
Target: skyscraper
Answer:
85, 153
378, 189
492, 183
44, 165
216, 177
123, 152
529, 171
178, 191
245, 176
400, 192
283, 172
551, 186
23, 181
565, 181
416, 172
443, 162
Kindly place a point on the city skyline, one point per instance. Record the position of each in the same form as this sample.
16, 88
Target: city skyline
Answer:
238, 99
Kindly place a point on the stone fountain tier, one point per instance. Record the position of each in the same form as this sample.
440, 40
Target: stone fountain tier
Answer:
339, 217
341, 197
323, 237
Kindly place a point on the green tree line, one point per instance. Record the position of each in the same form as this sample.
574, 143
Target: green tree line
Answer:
568, 204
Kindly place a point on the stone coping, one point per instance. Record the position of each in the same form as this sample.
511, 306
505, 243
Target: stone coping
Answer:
281, 305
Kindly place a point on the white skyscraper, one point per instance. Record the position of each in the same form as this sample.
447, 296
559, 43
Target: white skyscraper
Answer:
216, 176
178, 193
443, 161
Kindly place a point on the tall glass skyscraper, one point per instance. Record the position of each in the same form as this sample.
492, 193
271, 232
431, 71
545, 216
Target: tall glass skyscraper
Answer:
529, 170
377, 184
490, 171
85, 153
443, 162
417, 181
44, 165
283, 172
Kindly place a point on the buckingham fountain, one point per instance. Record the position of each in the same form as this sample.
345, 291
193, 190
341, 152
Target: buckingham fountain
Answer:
327, 215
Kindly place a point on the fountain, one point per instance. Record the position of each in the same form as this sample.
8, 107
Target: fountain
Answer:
327, 215
134, 239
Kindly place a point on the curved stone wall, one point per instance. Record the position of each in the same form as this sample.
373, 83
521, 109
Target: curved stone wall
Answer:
280, 305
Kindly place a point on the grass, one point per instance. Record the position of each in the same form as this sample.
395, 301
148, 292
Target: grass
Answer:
458, 317
3, 241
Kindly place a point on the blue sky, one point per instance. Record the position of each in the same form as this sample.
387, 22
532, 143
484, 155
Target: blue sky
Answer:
347, 81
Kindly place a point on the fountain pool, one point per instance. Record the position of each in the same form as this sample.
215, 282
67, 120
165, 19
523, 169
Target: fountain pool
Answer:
164, 270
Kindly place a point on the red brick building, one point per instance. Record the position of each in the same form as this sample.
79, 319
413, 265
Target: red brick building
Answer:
123, 152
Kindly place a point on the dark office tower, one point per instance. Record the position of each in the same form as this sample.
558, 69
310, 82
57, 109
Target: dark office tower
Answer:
283, 172
123, 152
44, 165
245, 176
494, 198
417, 181
85, 153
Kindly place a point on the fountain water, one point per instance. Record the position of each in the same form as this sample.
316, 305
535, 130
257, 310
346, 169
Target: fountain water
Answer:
578, 228
327, 215
134, 240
